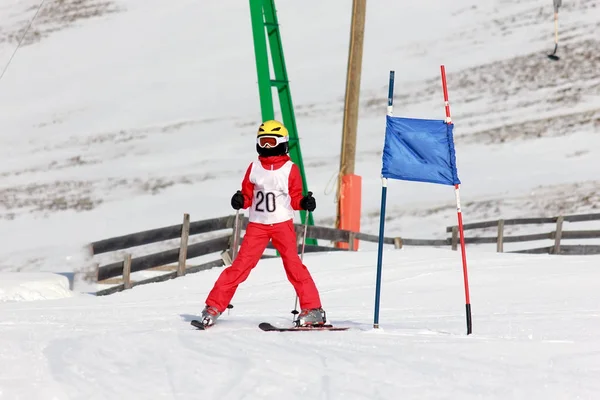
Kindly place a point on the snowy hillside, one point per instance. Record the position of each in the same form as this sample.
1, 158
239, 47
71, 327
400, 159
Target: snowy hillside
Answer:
536, 326
120, 116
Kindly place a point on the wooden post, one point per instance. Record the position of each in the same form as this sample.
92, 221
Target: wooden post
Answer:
226, 256
93, 276
185, 234
351, 101
397, 243
454, 237
351, 237
558, 235
127, 271
500, 243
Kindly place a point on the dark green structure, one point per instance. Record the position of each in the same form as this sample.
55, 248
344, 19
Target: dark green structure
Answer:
265, 27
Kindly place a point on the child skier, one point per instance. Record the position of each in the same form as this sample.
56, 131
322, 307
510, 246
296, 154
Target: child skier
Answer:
272, 189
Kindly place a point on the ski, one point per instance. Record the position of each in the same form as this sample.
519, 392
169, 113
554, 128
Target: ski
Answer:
267, 327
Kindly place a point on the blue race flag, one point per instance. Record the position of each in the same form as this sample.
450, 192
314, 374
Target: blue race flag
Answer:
420, 150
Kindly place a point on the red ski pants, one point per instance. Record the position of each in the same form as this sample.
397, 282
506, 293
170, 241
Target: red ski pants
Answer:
255, 241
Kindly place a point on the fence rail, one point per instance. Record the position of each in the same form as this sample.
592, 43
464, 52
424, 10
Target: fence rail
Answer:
557, 235
529, 221
161, 278
164, 257
160, 234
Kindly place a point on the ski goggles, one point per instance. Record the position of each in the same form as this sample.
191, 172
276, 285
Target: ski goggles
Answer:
269, 141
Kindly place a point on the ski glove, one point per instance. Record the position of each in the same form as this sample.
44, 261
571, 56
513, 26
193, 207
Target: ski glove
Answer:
237, 200
308, 203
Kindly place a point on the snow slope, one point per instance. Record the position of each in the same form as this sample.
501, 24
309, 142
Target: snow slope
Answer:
536, 324
120, 116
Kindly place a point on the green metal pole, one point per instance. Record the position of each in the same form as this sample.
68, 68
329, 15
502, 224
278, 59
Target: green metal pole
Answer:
262, 60
264, 15
285, 97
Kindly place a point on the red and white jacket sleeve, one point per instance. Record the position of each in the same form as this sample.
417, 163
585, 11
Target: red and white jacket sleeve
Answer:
247, 188
295, 187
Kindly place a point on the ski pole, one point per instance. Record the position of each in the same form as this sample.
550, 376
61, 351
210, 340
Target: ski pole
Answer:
301, 258
236, 235
234, 245
557, 4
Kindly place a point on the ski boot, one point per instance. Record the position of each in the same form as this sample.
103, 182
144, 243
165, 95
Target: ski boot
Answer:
210, 315
311, 317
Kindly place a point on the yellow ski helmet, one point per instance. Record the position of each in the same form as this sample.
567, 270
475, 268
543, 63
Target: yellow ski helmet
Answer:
272, 127
272, 139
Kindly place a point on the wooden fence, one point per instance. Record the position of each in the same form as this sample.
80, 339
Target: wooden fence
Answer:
557, 235
159, 260
221, 246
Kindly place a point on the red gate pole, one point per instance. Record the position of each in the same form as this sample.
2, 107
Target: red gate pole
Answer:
459, 215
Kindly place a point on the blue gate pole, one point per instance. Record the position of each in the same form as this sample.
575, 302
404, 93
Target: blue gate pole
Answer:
380, 252
382, 215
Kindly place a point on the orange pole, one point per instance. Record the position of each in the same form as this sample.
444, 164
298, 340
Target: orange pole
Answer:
350, 204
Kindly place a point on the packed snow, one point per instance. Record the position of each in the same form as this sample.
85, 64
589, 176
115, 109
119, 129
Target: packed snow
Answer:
30, 286
536, 325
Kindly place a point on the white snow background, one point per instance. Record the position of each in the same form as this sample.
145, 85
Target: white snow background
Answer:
120, 116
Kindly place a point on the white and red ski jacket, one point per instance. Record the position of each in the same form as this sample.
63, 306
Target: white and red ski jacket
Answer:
272, 189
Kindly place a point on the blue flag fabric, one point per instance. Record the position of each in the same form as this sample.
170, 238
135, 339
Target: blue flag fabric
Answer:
420, 150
